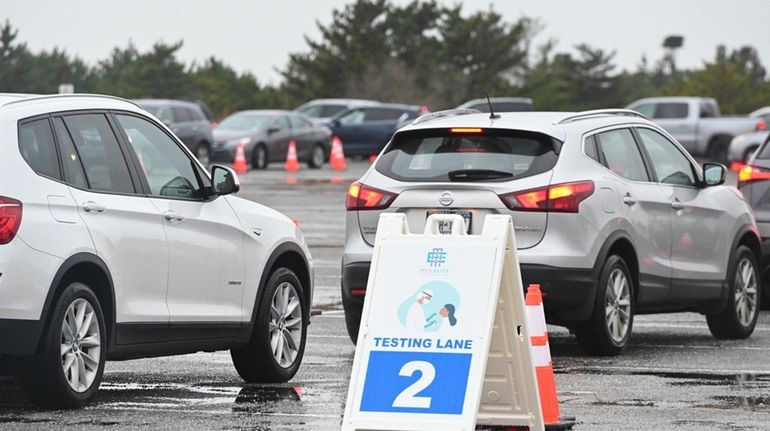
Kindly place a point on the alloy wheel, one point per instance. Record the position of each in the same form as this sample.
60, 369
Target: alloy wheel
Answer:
617, 305
745, 292
285, 324
80, 345
318, 156
202, 154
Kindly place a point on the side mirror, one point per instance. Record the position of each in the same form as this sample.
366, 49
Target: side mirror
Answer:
714, 174
336, 123
224, 180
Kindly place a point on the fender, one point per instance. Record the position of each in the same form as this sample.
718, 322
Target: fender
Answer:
743, 230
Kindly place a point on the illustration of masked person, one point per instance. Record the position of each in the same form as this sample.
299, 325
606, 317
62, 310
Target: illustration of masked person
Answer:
447, 313
415, 318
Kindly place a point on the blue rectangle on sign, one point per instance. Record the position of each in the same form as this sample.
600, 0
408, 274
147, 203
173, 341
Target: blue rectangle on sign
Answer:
416, 382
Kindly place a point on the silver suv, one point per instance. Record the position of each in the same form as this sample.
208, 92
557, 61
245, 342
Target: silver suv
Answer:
613, 217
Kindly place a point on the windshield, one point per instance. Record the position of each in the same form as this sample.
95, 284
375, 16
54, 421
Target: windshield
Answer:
321, 111
252, 122
487, 155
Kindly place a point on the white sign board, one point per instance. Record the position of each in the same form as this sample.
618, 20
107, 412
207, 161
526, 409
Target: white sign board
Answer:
443, 343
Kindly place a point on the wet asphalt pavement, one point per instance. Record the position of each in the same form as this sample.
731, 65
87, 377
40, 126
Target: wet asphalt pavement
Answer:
674, 375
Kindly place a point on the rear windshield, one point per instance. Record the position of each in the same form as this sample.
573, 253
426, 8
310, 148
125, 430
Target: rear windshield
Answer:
490, 155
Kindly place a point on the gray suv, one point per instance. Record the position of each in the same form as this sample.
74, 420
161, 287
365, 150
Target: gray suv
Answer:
187, 120
613, 217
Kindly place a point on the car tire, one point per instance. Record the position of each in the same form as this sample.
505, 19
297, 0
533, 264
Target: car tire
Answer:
203, 154
608, 330
317, 157
259, 157
261, 361
352, 320
739, 316
47, 378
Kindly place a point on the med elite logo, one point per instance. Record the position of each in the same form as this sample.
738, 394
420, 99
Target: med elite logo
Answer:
435, 259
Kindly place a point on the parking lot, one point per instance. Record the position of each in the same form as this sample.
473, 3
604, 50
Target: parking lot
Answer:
674, 374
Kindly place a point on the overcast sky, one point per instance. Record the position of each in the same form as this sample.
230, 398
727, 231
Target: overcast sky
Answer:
257, 36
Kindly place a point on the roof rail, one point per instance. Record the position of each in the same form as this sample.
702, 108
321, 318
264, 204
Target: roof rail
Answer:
600, 112
443, 114
55, 96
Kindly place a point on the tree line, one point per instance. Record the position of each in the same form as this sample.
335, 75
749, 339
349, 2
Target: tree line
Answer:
421, 53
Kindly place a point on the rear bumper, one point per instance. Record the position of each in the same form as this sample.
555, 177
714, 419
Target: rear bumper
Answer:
568, 293
19, 337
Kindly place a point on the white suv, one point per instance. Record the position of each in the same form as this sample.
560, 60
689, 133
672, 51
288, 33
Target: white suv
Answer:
115, 243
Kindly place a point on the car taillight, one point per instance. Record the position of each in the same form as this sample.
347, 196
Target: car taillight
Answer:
565, 197
424, 109
362, 197
213, 125
761, 125
10, 219
749, 174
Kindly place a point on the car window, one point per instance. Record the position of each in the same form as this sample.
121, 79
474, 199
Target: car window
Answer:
38, 149
196, 114
321, 111
102, 158
669, 164
355, 116
382, 114
70, 159
671, 110
245, 121
708, 110
297, 122
169, 171
165, 115
590, 148
646, 109
621, 155
434, 155
282, 122
181, 114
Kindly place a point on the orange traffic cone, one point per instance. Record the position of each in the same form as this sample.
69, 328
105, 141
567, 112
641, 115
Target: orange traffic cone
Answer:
292, 164
337, 157
239, 165
541, 351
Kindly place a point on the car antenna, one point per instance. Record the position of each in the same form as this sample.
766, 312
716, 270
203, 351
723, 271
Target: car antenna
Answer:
492, 115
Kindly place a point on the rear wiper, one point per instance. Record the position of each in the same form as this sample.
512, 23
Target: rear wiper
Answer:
477, 174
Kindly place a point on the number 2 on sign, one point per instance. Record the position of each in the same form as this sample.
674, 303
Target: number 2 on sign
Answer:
407, 398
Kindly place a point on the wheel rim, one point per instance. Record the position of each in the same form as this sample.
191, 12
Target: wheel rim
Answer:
318, 156
80, 345
617, 305
260, 157
745, 292
285, 325
203, 155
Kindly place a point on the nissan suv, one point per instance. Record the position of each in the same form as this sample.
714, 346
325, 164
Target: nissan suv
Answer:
115, 243
612, 216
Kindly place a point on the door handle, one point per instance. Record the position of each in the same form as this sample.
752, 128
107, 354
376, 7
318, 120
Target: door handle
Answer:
93, 207
677, 205
173, 216
628, 200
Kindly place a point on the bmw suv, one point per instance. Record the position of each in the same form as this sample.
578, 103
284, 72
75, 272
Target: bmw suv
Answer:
612, 217
115, 243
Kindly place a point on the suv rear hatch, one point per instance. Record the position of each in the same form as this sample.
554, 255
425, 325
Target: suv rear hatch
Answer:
468, 171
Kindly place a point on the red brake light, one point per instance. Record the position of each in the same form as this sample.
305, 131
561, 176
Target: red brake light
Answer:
362, 197
424, 109
749, 174
761, 125
565, 197
10, 219
213, 125
467, 130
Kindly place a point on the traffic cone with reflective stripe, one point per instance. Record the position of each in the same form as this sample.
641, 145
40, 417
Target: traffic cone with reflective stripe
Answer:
239, 165
337, 156
541, 355
292, 164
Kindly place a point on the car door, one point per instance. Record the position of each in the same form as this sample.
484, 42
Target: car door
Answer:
698, 249
205, 278
302, 133
646, 209
348, 127
279, 135
378, 127
125, 226
184, 127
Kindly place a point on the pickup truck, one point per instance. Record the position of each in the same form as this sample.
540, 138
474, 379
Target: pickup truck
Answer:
696, 123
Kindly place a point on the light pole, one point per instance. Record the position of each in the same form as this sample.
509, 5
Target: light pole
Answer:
671, 44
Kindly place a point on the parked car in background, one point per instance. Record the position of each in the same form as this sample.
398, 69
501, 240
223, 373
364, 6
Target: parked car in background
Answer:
613, 217
323, 110
754, 183
696, 123
742, 147
265, 136
207, 113
762, 113
115, 244
187, 120
499, 104
364, 131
